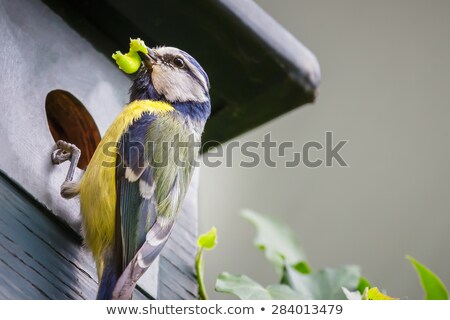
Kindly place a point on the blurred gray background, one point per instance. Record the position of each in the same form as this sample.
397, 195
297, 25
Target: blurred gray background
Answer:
385, 69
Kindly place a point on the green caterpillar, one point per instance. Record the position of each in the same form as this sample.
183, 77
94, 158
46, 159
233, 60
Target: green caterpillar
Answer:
130, 62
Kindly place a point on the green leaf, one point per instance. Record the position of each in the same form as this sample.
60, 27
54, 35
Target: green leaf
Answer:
208, 240
247, 289
431, 284
205, 241
302, 267
276, 240
325, 284
363, 284
282, 292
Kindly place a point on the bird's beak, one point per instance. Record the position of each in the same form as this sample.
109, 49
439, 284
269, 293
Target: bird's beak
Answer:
149, 59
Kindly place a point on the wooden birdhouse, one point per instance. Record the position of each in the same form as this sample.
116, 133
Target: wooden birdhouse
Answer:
58, 81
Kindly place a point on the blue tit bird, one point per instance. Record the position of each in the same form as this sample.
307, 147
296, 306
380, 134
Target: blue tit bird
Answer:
133, 187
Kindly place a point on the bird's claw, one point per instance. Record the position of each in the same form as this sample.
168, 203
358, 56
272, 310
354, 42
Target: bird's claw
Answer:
63, 152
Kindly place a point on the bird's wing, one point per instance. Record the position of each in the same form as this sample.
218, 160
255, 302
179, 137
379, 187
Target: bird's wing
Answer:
135, 190
148, 196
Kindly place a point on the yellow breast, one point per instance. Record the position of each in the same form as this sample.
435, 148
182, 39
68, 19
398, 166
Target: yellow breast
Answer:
98, 189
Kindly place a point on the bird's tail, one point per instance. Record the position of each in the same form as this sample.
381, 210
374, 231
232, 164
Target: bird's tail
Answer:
107, 282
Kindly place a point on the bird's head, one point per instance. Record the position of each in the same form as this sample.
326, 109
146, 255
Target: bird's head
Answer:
172, 75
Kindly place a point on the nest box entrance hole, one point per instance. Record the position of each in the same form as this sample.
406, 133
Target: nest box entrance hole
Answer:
69, 120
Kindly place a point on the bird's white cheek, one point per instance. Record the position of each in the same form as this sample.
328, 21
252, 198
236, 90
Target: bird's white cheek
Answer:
177, 86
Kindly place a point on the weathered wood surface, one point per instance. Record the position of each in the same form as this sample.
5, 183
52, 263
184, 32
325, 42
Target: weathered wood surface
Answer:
40, 53
39, 257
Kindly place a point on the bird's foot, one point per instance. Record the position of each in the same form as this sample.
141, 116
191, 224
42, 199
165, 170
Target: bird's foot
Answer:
65, 151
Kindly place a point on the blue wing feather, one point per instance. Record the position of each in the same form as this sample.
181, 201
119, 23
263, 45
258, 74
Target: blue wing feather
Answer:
136, 210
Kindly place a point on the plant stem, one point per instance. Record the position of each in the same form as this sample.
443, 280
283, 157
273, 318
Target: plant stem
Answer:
199, 269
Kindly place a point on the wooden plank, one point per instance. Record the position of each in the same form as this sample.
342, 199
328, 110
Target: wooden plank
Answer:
40, 259
174, 288
180, 250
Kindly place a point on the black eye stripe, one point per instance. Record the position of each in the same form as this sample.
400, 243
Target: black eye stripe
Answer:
168, 60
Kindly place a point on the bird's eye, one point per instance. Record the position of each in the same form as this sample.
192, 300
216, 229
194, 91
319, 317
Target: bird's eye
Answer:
178, 62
